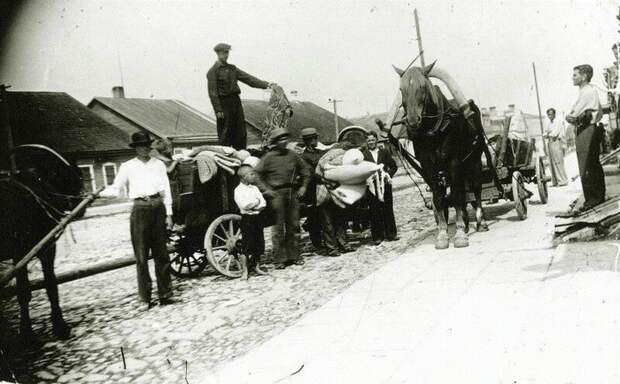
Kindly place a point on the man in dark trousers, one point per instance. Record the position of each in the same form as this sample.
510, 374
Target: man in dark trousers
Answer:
284, 177
145, 181
585, 114
224, 94
311, 154
382, 222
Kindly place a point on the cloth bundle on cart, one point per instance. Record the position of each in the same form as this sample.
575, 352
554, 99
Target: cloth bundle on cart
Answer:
210, 158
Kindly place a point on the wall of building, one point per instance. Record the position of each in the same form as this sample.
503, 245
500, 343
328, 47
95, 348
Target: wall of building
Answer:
94, 168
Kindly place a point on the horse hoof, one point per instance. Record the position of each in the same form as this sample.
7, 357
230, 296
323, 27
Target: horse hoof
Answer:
466, 229
61, 330
442, 242
461, 242
29, 340
482, 228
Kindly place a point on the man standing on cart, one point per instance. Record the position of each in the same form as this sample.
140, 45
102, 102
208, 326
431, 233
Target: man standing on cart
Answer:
224, 94
284, 177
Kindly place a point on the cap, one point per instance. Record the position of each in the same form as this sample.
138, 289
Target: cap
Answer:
309, 132
222, 47
140, 139
277, 133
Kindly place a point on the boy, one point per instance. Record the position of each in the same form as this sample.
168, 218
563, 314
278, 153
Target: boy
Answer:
251, 203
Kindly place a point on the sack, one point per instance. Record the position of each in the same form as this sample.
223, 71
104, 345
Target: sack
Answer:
348, 194
352, 174
352, 156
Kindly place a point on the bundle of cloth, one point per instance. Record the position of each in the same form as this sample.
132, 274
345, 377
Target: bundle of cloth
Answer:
348, 172
210, 158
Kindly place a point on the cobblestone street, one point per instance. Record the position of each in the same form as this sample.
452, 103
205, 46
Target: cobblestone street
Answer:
215, 320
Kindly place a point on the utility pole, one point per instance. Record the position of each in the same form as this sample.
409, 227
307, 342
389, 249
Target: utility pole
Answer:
540, 118
334, 102
6, 133
419, 36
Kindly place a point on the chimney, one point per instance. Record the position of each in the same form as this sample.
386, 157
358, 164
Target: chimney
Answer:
118, 92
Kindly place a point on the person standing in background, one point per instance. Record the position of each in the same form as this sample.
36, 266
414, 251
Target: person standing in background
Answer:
311, 154
224, 94
556, 134
145, 181
585, 114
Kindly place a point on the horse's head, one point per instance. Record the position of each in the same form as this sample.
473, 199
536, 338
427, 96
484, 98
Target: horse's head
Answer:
418, 93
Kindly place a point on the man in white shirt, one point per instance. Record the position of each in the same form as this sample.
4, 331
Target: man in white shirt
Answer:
585, 114
144, 180
556, 133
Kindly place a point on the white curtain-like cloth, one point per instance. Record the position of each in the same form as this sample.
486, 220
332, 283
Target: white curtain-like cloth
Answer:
376, 183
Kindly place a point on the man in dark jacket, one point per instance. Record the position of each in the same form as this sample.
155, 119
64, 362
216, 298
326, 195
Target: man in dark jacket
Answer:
284, 177
311, 154
224, 94
382, 222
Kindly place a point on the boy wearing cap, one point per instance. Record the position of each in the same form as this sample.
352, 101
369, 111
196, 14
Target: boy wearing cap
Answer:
224, 94
284, 177
145, 181
251, 203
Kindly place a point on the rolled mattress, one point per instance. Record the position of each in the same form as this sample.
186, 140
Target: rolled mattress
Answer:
352, 174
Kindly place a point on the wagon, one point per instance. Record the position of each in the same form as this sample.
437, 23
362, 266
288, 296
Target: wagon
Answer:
207, 224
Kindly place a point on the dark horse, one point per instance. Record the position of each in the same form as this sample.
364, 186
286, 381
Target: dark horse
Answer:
32, 201
447, 147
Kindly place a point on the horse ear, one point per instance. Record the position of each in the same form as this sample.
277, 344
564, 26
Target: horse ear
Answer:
427, 70
399, 71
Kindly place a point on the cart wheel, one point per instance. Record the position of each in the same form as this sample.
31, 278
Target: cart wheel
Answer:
518, 195
187, 263
541, 180
221, 244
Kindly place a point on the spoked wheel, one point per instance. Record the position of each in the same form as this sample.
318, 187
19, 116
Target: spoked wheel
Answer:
541, 180
186, 261
221, 244
519, 195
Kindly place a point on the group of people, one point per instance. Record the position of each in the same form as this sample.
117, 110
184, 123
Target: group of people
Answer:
273, 190
584, 116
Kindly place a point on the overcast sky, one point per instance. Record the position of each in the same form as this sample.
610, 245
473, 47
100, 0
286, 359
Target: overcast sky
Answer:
322, 49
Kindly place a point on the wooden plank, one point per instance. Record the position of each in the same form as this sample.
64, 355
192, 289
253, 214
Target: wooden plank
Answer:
598, 214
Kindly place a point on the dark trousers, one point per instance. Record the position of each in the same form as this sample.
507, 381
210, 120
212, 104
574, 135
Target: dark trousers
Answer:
382, 222
285, 234
231, 129
587, 142
148, 234
313, 221
253, 238
334, 226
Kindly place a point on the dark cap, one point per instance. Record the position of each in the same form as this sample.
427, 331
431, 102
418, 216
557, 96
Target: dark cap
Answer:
140, 139
309, 132
277, 133
222, 47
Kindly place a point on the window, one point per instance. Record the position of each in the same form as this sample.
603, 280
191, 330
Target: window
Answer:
88, 177
109, 173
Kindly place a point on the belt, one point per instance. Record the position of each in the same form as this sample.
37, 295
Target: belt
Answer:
147, 198
282, 186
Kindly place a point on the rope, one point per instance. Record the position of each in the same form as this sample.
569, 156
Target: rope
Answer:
409, 170
46, 206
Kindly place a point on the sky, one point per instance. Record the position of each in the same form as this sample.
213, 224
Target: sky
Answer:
321, 49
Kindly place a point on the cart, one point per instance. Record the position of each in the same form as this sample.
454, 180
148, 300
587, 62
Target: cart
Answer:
207, 224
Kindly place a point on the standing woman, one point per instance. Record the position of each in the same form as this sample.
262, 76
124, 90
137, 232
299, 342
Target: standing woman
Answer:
556, 133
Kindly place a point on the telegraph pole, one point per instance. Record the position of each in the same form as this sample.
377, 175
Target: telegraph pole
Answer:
540, 118
419, 36
335, 102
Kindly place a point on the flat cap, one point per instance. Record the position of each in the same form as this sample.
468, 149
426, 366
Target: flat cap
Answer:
277, 133
222, 47
309, 132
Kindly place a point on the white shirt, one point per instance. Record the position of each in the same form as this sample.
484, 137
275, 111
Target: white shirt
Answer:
246, 196
588, 100
137, 178
556, 129
375, 154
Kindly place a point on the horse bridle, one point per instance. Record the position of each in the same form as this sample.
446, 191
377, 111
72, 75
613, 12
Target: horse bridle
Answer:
439, 123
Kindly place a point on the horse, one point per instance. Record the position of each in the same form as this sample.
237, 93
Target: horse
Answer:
33, 200
448, 149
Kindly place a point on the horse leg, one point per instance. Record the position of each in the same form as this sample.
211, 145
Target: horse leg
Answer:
28, 338
465, 218
481, 223
60, 328
460, 238
442, 240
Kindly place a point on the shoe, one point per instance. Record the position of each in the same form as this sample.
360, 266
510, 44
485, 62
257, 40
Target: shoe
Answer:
145, 306
332, 253
377, 242
347, 249
167, 301
299, 262
260, 271
395, 238
279, 266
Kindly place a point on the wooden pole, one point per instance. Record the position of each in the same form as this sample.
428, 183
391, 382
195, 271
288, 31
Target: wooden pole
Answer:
49, 238
540, 118
419, 36
6, 133
334, 102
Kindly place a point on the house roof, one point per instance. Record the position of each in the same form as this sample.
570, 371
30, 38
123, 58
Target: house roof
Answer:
305, 114
162, 117
62, 123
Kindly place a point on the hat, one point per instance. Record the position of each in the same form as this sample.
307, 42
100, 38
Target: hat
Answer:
309, 132
277, 133
222, 47
140, 139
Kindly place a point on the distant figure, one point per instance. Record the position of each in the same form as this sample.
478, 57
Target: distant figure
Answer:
251, 204
145, 181
284, 177
311, 154
585, 114
556, 133
224, 94
382, 222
